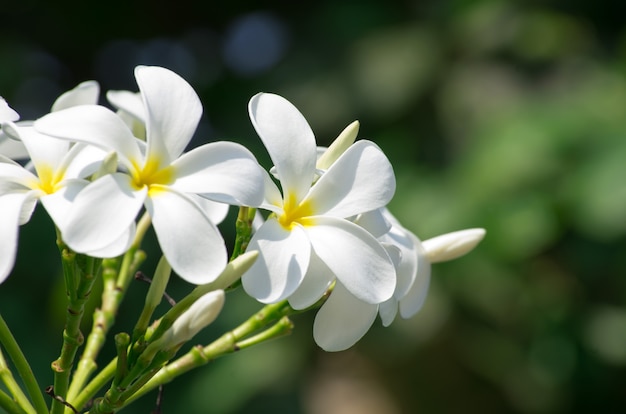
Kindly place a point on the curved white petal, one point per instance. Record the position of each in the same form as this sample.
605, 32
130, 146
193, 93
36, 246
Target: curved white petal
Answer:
191, 243
221, 171
86, 93
360, 180
406, 268
273, 199
388, 311
6, 112
289, 141
414, 299
129, 102
173, 111
102, 212
450, 246
9, 225
95, 125
12, 175
118, 247
342, 320
11, 148
59, 203
374, 221
46, 153
316, 280
281, 265
83, 160
216, 212
356, 258
28, 206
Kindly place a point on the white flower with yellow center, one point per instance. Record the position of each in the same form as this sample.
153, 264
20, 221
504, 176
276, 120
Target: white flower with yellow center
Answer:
157, 176
308, 242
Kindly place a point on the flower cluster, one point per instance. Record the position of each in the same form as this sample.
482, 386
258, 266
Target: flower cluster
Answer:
326, 240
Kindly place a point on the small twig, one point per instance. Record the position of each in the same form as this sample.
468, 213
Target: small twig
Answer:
50, 391
143, 278
159, 401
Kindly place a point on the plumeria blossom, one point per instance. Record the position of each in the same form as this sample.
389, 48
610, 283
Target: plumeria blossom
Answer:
157, 175
58, 173
9, 147
343, 319
308, 242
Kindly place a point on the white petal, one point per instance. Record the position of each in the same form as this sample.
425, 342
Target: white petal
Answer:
59, 203
173, 111
216, 212
342, 320
388, 311
129, 102
191, 243
6, 112
316, 280
360, 180
83, 160
409, 246
11, 148
281, 265
9, 225
13, 176
46, 153
413, 301
221, 171
273, 199
118, 247
374, 221
94, 125
356, 258
102, 212
288, 139
86, 93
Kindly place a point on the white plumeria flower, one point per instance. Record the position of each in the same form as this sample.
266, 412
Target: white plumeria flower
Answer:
60, 170
343, 319
158, 176
131, 109
7, 114
308, 242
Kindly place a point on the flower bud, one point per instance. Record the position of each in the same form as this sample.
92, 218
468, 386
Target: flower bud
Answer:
452, 245
159, 283
339, 146
199, 315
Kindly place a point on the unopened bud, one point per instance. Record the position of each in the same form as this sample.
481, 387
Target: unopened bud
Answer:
199, 315
339, 146
452, 245
159, 283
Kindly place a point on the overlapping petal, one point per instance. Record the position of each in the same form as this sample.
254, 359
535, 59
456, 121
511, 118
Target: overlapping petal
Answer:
288, 139
9, 223
86, 93
129, 102
342, 320
221, 171
95, 125
102, 212
173, 111
279, 270
191, 243
414, 299
357, 259
315, 283
360, 180
46, 153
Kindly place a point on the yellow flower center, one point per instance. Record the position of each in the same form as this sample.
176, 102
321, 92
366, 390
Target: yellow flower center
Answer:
152, 176
295, 213
49, 182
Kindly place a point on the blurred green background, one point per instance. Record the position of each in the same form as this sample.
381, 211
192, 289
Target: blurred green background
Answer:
504, 115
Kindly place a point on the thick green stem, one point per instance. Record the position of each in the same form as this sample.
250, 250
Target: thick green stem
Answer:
23, 368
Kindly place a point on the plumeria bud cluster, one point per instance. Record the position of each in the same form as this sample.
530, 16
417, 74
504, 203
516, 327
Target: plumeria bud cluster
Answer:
325, 238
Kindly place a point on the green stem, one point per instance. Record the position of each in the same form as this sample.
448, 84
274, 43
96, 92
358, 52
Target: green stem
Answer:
9, 380
23, 368
226, 344
9, 405
95, 385
243, 226
115, 284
